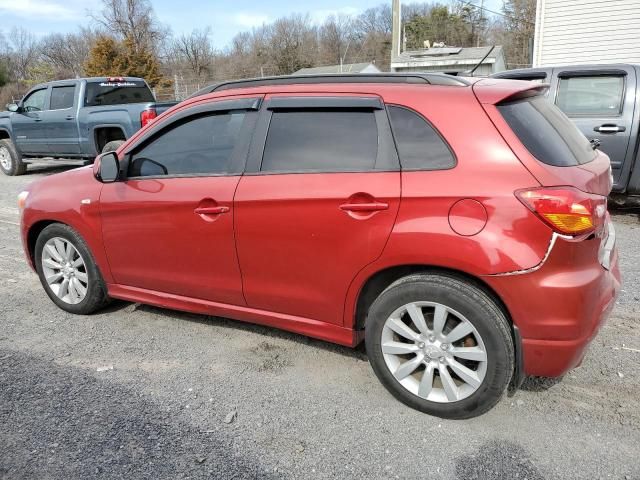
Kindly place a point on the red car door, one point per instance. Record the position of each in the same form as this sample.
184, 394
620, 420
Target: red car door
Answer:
317, 203
168, 226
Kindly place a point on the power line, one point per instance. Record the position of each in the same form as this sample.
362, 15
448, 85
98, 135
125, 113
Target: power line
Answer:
510, 17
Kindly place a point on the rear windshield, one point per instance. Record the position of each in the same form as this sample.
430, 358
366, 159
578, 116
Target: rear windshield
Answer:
547, 132
117, 93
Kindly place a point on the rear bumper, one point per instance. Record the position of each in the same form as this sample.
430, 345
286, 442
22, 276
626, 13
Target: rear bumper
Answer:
560, 307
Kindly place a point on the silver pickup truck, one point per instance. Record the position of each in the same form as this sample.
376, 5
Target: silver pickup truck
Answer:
74, 120
604, 103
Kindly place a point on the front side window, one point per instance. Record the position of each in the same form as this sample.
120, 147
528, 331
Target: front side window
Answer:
62, 97
322, 140
420, 147
35, 101
195, 146
595, 95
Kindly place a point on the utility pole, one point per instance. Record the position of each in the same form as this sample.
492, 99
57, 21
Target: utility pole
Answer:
342, 57
481, 20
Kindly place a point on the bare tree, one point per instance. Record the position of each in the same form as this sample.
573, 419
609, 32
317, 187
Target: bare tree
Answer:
133, 20
67, 53
24, 52
195, 50
335, 37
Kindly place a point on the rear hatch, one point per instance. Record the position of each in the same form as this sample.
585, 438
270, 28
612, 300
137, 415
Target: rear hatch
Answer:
575, 178
549, 145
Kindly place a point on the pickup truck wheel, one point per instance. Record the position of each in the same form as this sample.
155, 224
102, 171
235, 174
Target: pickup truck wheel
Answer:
112, 146
10, 160
68, 271
440, 345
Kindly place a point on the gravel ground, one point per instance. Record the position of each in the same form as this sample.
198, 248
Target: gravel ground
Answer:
190, 396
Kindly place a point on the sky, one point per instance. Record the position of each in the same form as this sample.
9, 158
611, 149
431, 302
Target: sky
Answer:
226, 18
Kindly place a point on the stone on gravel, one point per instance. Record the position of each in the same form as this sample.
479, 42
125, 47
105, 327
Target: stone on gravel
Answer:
105, 368
231, 416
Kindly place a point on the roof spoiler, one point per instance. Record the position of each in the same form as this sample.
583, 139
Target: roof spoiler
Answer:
495, 90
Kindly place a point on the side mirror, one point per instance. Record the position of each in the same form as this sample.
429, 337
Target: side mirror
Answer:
13, 107
109, 169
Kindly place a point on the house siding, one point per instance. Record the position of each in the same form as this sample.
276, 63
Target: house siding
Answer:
570, 32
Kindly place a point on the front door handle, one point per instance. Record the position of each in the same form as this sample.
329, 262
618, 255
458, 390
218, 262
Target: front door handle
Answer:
69, 117
609, 128
211, 210
364, 207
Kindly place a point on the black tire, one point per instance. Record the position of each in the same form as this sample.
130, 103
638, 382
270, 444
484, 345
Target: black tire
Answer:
96, 296
479, 309
16, 165
112, 146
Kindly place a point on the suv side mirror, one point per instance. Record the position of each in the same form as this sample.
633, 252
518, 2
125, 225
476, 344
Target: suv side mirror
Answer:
13, 107
109, 169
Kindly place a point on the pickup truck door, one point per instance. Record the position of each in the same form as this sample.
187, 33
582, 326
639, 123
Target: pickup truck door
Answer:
601, 101
29, 130
61, 120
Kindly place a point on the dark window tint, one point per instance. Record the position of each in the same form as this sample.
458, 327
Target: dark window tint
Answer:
420, 147
321, 140
595, 95
201, 145
62, 97
35, 101
547, 132
116, 93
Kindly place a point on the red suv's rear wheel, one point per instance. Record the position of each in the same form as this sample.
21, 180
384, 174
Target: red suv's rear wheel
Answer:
441, 345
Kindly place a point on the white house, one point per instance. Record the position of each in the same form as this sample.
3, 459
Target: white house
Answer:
586, 31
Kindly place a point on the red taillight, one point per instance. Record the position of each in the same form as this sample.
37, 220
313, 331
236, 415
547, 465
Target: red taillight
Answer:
147, 116
567, 210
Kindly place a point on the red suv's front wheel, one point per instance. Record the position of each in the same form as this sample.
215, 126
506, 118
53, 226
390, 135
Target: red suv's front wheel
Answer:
441, 345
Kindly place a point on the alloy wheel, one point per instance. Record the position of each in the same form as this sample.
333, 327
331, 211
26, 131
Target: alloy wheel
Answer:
434, 352
64, 270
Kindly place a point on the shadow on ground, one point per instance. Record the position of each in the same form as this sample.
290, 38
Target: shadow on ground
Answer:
497, 460
65, 422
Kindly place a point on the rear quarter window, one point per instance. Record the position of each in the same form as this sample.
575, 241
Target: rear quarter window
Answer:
547, 132
420, 146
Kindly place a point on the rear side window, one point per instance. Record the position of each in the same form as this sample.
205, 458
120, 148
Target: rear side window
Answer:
321, 140
420, 147
198, 146
117, 93
62, 97
595, 95
547, 133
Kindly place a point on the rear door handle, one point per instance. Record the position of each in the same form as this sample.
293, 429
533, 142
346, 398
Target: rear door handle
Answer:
608, 128
364, 207
211, 210
69, 117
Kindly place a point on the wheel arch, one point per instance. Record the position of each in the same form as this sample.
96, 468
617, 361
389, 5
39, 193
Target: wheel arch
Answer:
378, 281
5, 134
33, 233
105, 133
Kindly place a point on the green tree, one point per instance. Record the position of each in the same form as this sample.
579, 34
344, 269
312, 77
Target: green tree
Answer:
104, 58
111, 58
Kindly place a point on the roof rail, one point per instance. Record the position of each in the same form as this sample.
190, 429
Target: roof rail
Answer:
407, 78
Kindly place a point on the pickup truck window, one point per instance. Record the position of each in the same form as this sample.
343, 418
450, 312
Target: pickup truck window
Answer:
595, 95
117, 93
547, 133
62, 97
35, 100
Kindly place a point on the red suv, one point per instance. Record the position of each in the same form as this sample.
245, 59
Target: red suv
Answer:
457, 226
